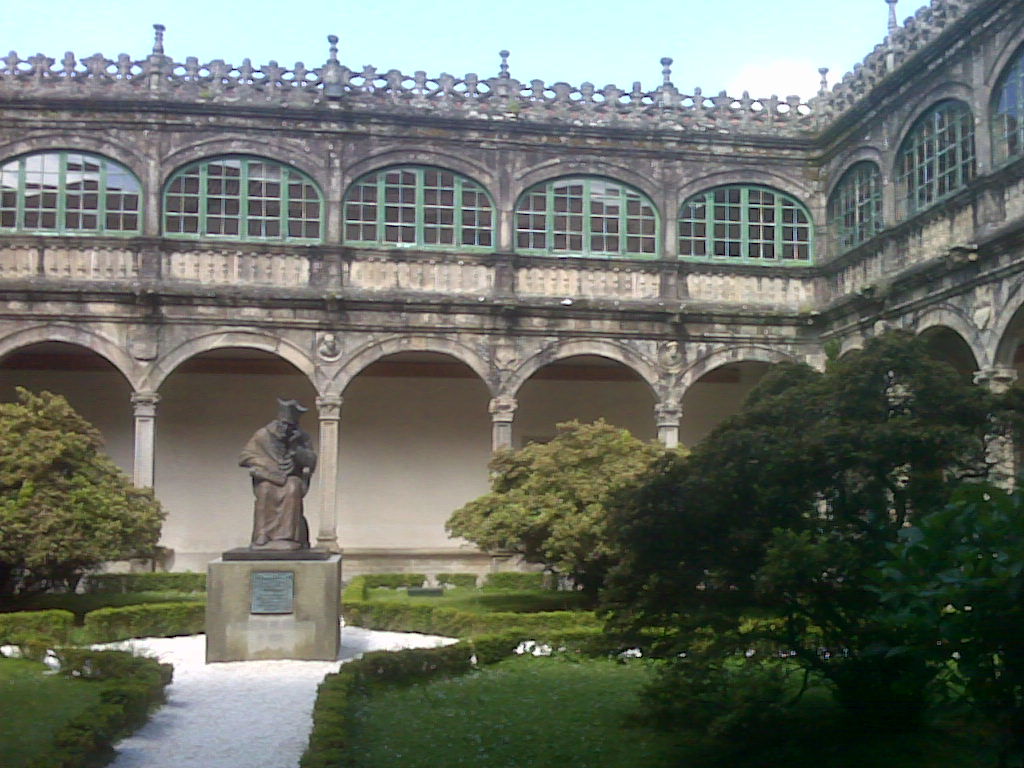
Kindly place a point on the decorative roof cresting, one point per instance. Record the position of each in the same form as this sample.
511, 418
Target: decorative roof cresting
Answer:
334, 86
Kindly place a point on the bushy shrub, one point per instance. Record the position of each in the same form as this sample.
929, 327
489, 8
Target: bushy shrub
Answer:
33, 627
147, 620
736, 709
132, 686
457, 579
394, 580
514, 580
65, 507
120, 583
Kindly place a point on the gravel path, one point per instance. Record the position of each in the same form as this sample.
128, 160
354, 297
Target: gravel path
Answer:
248, 714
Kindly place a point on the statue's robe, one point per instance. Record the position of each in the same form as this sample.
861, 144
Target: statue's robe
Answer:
279, 483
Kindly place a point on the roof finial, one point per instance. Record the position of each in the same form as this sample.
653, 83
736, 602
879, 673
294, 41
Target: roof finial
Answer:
503, 70
823, 85
892, 15
333, 51
158, 39
666, 70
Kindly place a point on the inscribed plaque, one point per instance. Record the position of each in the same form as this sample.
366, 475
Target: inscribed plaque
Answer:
273, 591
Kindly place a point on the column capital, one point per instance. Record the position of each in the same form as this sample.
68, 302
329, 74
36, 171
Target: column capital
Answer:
329, 407
668, 414
997, 378
503, 408
144, 402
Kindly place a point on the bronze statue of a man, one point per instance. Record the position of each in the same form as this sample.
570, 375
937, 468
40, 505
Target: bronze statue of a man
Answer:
281, 461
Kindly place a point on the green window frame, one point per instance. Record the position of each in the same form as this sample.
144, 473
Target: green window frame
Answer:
745, 223
855, 206
243, 198
1008, 112
937, 156
413, 206
63, 192
587, 216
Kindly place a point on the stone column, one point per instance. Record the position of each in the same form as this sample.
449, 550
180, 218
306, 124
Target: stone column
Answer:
999, 451
144, 408
329, 414
667, 416
503, 412
997, 378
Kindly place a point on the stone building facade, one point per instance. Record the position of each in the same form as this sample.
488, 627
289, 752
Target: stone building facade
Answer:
445, 265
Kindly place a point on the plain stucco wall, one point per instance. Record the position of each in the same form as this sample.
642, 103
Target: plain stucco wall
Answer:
706, 404
103, 398
413, 449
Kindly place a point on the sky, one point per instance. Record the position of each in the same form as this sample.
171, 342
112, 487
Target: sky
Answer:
765, 47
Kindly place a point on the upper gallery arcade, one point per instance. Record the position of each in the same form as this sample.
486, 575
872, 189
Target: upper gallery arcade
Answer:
449, 265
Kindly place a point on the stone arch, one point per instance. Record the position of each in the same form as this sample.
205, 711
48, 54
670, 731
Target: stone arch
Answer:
738, 354
804, 193
374, 351
276, 150
1009, 329
166, 364
79, 336
553, 170
64, 142
953, 319
620, 353
948, 91
862, 154
421, 157
1008, 53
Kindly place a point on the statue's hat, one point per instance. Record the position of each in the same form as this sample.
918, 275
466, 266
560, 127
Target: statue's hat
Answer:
289, 410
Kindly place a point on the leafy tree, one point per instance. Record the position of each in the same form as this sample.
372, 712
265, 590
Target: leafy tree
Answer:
954, 588
549, 502
788, 507
64, 506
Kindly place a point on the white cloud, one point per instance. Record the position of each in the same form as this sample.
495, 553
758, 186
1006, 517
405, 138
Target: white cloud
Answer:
779, 77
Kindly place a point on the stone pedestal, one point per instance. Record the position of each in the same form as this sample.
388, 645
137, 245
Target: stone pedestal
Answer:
273, 609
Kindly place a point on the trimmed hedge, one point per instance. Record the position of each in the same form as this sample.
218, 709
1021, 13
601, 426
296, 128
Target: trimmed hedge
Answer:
120, 583
513, 580
132, 687
457, 579
47, 627
356, 591
393, 580
108, 625
433, 620
583, 641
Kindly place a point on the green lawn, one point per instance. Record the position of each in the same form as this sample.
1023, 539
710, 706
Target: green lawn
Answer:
521, 713
484, 601
34, 706
559, 713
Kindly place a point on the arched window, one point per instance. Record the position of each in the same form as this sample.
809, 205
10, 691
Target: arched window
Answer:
745, 224
418, 207
1008, 111
937, 156
68, 192
586, 216
855, 207
242, 198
